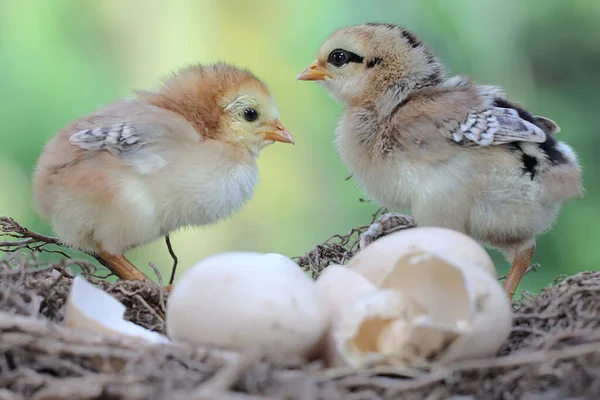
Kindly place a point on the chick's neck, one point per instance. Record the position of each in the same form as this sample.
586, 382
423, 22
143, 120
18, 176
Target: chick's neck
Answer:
392, 92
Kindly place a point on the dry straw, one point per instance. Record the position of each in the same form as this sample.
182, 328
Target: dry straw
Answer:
553, 351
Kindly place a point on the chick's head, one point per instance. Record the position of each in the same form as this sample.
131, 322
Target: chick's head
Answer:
250, 116
358, 62
224, 103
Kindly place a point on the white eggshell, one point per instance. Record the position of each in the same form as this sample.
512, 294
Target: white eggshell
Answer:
491, 318
92, 309
386, 327
427, 308
358, 334
342, 287
455, 293
376, 260
247, 301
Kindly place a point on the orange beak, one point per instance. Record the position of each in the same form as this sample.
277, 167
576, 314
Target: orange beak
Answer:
314, 72
279, 134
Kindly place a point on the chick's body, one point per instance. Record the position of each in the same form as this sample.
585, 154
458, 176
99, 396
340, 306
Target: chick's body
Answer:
502, 195
95, 197
140, 168
458, 154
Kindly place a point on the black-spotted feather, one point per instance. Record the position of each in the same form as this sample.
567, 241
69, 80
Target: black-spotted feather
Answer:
495, 126
119, 139
133, 144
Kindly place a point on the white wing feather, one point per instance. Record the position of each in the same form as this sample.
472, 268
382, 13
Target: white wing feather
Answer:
123, 140
495, 126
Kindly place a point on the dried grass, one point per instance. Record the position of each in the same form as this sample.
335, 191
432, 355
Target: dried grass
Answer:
553, 351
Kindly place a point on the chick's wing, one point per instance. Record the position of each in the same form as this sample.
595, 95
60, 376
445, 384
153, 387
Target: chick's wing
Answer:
495, 126
134, 143
470, 118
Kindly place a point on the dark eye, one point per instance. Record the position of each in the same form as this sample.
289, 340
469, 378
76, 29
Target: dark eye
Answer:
338, 58
250, 114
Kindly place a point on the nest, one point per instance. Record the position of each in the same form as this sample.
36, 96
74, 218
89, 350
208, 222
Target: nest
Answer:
553, 351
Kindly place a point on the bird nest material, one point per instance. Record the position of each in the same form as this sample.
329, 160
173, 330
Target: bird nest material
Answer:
553, 351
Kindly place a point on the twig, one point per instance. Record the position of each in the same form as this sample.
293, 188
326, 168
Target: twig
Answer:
338, 249
152, 311
27, 239
30, 240
174, 256
225, 377
509, 361
344, 372
161, 291
35, 242
13, 228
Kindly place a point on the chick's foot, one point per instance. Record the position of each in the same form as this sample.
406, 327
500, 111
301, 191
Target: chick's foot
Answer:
519, 266
121, 267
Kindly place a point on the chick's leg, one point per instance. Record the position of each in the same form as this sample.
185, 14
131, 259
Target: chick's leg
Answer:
120, 266
520, 264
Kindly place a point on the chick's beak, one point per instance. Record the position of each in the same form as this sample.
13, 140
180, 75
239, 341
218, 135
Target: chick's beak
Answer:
279, 134
314, 72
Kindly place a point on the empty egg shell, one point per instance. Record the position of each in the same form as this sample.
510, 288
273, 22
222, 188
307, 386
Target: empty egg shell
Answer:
454, 292
248, 301
386, 327
342, 287
92, 309
428, 308
376, 260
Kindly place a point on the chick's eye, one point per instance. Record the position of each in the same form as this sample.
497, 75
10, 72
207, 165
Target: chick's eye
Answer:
338, 58
250, 114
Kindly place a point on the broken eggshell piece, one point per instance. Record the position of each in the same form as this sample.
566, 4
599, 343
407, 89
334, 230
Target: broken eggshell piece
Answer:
375, 261
92, 309
428, 309
342, 287
385, 327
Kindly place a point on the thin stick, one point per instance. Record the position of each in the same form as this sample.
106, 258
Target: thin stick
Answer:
174, 257
226, 377
33, 241
161, 291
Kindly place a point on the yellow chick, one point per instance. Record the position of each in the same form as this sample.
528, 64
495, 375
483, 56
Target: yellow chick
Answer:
458, 154
135, 170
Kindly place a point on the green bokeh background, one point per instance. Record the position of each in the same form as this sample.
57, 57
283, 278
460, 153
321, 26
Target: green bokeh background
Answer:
62, 59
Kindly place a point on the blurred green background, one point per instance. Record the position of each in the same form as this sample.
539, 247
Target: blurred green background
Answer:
61, 59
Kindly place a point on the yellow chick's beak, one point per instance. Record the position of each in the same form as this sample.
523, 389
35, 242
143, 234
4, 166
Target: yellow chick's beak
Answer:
314, 72
279, 134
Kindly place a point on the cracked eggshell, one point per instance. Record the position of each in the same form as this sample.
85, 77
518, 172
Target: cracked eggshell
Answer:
428, 308
455, 293
245, 301
491, 319
376, 260
386, 327
342, 287
92, 309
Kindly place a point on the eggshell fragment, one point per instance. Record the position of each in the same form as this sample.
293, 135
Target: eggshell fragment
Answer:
342, 287
428, 308
92, 309
385, 327
375, 261
456, 293
248, 301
